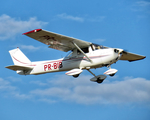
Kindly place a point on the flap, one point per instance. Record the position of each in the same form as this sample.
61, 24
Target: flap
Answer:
56, 41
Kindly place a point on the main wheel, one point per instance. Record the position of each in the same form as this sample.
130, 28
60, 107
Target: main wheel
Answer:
111, 75
75, 76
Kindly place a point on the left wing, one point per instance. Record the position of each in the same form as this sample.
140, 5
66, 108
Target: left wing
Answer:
131, 56
56, 41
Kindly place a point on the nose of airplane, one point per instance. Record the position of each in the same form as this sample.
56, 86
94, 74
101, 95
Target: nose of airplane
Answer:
118, 50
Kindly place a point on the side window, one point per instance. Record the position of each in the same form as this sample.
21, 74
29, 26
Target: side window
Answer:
97, 47
69, 54
85, 50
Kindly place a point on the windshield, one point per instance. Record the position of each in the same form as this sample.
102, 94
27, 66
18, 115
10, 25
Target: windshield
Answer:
97, 47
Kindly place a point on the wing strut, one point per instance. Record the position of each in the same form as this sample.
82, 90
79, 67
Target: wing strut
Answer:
81, 51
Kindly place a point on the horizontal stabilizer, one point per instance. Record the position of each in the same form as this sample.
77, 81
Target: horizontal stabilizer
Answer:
18, 67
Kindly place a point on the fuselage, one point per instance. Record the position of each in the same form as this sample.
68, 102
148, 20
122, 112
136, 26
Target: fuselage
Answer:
99, 57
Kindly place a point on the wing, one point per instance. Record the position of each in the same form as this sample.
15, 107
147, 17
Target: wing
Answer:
18, 67
56, 41
131, 56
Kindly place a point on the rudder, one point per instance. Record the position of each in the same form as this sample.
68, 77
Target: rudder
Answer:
19, 57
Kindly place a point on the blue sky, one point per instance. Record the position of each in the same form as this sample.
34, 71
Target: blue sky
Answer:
119, 23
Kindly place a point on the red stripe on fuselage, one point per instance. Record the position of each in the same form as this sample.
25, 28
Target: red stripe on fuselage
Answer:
22, 62
76, 59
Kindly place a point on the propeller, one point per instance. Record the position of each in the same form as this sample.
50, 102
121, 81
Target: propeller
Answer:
120, 52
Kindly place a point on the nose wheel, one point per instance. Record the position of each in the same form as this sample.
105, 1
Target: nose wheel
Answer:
99, 79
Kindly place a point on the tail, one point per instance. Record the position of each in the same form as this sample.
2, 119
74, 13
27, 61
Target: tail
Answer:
18, 57
21, 63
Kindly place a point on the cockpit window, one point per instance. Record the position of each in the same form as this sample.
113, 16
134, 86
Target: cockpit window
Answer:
97, 47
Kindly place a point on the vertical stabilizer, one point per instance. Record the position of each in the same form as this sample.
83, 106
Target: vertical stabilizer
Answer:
18, 57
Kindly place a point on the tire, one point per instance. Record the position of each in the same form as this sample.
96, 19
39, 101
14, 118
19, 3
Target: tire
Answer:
75, 76
99, 80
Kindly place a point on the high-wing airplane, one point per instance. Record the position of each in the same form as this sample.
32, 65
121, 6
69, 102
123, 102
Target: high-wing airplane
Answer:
82, 56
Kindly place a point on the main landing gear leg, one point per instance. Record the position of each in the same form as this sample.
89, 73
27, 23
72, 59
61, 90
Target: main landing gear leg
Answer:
98, 79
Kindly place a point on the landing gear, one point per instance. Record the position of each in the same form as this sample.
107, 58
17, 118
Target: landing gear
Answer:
111, 72
111, 75
98, 79
75, 76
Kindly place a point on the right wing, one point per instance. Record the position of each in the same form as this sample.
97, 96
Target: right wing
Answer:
56, 41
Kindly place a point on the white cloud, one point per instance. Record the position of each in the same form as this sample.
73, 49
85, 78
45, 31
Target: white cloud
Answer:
70, 17
99, 40
81, 90
38, 83
5, 86
20, 96
54, 91
141, 6
47, 100
8, 90
14, 79
29, 47
12, 26
81, 19
96, 19
143, 3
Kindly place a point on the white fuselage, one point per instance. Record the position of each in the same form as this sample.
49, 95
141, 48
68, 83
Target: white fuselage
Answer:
100, 58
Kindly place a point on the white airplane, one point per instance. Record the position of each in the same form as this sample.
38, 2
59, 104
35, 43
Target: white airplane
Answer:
82, 56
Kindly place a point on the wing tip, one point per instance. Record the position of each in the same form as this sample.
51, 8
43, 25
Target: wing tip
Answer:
138, 59
32, 31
